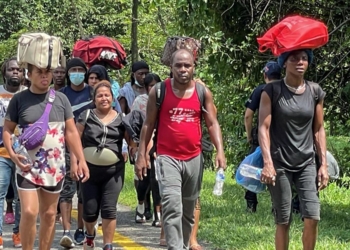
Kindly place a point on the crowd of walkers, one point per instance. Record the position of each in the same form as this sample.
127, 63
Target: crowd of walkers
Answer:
156, 125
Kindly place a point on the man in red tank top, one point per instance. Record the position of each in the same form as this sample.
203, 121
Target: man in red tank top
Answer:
179, 161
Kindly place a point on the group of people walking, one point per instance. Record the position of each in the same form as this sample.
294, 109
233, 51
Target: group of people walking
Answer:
87, 145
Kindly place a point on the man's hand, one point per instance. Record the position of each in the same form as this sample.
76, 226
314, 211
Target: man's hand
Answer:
141, 167
268, 174
322, 177
220, 161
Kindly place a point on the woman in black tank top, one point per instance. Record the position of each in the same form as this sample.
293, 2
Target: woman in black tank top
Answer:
290, 124
102, 133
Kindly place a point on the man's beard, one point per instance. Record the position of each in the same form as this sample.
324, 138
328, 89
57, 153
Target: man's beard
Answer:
13, 82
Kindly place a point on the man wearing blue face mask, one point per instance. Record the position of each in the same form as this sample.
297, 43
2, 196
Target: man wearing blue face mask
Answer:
135, 87
79, 95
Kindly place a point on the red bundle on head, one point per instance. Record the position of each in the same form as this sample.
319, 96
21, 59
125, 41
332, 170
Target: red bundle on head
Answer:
293, 33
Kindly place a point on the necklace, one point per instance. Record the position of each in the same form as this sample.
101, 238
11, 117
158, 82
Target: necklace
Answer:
101, 115
293, 88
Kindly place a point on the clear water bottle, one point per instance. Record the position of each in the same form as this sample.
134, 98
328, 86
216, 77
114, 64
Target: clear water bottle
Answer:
219, 184
249, 177
250, 171
21, 150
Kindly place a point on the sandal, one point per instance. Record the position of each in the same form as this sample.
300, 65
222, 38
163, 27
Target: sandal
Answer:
9, 218
162, 242
156, 223
140, 218
196, 247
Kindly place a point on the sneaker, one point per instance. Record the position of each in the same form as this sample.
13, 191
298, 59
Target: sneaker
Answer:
16, 239
67, 240
108, 247
9, 218
1, 243
79, 236
251, 207
89, 244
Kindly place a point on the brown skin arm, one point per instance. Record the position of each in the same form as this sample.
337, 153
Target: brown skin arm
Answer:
268, 172
73, 135
320, 142
8, 129
124, 105
146, 134
131, 143
248, 121
214, 129
73, 158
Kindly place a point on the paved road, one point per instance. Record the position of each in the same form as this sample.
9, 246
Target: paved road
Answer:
128, 236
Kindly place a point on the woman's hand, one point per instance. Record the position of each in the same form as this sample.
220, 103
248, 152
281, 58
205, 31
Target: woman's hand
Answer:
323, 177
18, 160
268, 174
125, 156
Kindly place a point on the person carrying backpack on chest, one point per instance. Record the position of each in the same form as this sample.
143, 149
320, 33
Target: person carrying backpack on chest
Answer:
179, 156
290, 124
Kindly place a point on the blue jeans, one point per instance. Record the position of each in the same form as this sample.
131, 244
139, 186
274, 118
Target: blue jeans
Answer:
7, 177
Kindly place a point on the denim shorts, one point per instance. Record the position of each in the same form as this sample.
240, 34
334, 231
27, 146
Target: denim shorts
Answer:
305, 183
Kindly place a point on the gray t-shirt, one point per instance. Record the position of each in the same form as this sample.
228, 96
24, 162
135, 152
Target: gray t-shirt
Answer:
291, 129
24, 109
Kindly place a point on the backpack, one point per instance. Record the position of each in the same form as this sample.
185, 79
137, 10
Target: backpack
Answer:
178, 42
100, 50
40, 50
160, 88
294, 33
276, 90
277, 86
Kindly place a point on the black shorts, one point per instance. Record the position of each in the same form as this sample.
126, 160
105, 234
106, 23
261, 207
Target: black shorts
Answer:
25, 184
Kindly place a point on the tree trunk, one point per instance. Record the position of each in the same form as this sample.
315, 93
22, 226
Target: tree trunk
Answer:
134, 45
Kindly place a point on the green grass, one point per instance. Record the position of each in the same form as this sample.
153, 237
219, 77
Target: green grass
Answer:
225, 224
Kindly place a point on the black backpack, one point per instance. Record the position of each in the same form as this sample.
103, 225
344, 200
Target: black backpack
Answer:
277, 86
276, 94
160, 89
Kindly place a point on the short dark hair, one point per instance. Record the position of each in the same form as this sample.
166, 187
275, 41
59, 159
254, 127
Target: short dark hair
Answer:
30, 67
5, 65
150, 77
179, 51
274, 77
103, 83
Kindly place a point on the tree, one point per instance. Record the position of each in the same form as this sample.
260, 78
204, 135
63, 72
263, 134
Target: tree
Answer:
134, 46
232, 64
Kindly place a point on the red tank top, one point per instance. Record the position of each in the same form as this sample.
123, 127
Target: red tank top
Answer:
179, 126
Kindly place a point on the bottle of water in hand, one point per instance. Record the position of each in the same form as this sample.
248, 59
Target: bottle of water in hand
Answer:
250, 171
219, 184
21, 150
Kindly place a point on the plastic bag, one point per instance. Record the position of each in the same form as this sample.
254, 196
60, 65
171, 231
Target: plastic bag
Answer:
294, 33
255, 162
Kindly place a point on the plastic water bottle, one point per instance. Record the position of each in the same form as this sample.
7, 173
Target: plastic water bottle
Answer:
21, 150
249, 177
250, 171
219, 184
